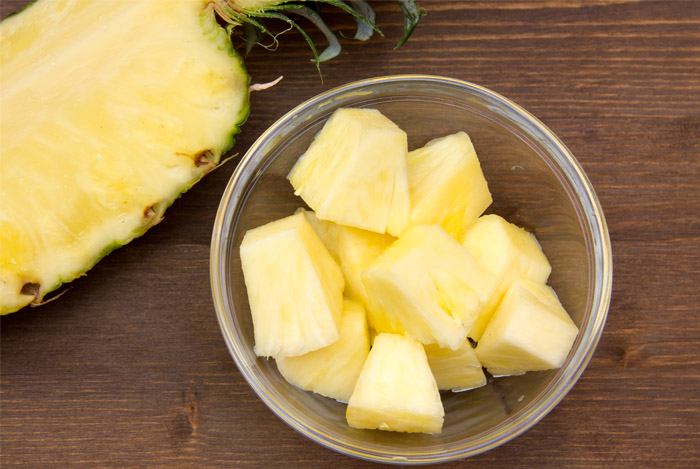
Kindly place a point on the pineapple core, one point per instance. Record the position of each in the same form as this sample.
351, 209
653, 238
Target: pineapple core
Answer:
530, 331
428, 286
396, 390
333, 370
354, 172
455, 370
447, 185
295, 288
353, 249
508, 252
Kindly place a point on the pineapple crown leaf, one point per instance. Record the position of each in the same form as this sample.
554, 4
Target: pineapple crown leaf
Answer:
333, 48
364, 19
363, 13
251, 37
411, 17
292, 23
259, 27
250, 18
364, 24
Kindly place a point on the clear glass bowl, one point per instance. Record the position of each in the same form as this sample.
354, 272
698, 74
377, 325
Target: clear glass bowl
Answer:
536, 183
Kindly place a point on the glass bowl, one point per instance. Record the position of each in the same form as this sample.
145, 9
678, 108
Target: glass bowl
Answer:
536, 183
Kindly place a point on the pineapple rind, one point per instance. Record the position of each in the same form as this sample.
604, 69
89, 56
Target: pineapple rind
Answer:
57, 262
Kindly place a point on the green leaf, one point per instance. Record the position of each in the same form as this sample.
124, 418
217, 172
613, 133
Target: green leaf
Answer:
364, 30
362, 14
333, 48
280, 16
411, 17
251, 36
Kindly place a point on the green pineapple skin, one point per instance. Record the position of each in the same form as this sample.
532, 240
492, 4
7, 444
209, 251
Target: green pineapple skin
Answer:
222, 40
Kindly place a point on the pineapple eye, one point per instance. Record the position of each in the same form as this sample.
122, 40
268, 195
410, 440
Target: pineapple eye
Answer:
31, 289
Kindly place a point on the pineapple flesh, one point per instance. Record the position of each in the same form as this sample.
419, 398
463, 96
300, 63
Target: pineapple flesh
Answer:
455, 370
447, 185
110, 110
353, 249
354, 172
508, 252
396, 390
428, 286
332, 371
295, 288
530, 331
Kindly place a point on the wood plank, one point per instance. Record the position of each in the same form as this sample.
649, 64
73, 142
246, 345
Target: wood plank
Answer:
129, 366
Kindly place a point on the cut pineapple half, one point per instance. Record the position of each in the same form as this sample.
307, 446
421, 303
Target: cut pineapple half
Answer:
508, 252
530, 331
447, 185
354, 172
428, 286
455, 370
110, 110
333, 370
295, 288
353, 249
396, 390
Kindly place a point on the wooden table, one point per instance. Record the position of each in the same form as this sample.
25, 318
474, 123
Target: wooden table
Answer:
129, 368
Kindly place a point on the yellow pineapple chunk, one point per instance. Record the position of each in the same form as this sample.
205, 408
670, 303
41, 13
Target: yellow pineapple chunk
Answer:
508, 252
447, 185
428, 286
326, 231
353, 249
357, 249
396, 390
354, 172
333, 370
455, 370
295, 288
530, 331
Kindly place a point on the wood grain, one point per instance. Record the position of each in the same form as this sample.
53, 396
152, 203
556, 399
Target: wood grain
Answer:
129, 368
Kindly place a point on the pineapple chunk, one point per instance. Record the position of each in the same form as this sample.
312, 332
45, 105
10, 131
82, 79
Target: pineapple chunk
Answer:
354, 172
326, 231
428, 286
508, 252
456, 370
333, 370
530, 331
447, 185
357, 249
353, 249
396, 390
294, 287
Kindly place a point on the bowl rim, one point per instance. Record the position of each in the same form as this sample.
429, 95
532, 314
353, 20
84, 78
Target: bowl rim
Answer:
602, 273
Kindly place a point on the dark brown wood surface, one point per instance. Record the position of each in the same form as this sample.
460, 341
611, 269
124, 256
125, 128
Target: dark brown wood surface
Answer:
129, 368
